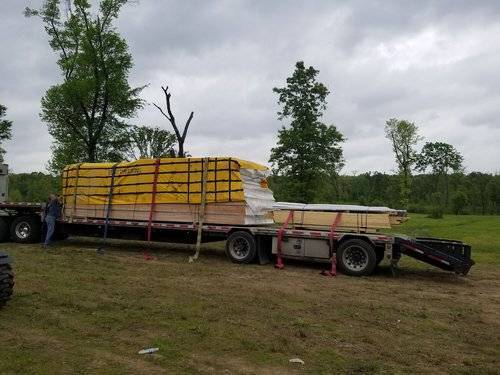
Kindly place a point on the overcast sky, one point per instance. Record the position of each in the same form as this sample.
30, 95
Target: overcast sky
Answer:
435, 63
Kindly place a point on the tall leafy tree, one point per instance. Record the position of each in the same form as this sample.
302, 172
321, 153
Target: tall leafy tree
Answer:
149, 142
404, 137
5, 129
86, 114
441, 158
308, 151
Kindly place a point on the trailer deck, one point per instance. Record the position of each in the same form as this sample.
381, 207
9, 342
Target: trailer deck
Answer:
357, 253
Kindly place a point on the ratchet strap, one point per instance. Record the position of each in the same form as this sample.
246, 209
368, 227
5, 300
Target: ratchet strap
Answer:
333, 253
279, 245
108, 208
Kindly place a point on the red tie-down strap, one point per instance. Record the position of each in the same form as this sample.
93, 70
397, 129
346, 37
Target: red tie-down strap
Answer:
331, 235
279, 245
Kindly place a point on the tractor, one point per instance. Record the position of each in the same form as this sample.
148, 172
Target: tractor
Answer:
6, 279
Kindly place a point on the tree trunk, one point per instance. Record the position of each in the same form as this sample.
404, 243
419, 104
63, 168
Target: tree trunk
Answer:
180, 154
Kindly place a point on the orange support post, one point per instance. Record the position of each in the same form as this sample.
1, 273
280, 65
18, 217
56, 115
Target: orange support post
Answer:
279, 245
331, 235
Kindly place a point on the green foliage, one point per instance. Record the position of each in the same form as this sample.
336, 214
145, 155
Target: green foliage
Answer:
482, 192
404, 137
459, 202
5, 130
308, 153
86, 113
440, 158
437, 209
32, 187
149, 142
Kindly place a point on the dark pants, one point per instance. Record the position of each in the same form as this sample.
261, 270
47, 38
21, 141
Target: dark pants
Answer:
51, 226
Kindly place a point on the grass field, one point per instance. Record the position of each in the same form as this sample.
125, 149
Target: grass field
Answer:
78, 312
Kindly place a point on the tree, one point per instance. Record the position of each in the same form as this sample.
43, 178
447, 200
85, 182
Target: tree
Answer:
308, 151
150, 143
5, 130
440, 158
86, 113
459, 202
404, 137
181, 137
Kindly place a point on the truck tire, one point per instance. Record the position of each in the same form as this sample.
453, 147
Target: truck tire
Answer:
4, 229
356, 257
6, 283
241, 247
26, 229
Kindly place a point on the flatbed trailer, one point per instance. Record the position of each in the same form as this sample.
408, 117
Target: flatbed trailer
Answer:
356, 253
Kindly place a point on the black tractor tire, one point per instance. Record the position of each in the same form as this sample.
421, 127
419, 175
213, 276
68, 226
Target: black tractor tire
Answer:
241, 247
4, 229
26, 229
356, 257
6, 283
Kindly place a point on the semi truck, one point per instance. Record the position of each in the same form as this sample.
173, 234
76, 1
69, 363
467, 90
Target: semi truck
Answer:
355, 253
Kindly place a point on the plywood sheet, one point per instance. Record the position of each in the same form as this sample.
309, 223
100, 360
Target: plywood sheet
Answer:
323, 220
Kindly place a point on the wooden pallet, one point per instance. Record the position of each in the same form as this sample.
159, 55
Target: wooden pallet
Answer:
364, 222
229, 213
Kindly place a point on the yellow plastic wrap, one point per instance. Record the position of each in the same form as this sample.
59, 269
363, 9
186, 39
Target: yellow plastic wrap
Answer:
179, 180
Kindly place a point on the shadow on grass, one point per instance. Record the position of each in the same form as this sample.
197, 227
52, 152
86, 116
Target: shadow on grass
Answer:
215, 250
413, 274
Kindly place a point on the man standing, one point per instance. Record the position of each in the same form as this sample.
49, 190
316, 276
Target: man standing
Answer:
52, 213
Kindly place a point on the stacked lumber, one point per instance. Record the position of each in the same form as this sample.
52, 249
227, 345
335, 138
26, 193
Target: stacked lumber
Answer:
322, 216
221, 190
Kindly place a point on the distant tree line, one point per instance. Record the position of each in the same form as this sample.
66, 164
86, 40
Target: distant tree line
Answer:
33, 187
472, 193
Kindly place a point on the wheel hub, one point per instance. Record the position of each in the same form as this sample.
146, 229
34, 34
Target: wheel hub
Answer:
355, 258
239, 248
22, 230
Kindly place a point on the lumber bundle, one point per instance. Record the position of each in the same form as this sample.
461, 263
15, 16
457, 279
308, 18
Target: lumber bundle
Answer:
322, 216
221, 190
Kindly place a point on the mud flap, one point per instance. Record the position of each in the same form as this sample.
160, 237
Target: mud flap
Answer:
263, 249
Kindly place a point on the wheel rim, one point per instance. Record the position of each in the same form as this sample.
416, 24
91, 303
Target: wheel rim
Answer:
239, 248
22, 230
355, 258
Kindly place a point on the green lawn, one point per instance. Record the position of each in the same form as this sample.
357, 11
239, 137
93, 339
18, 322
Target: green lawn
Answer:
78, 312
481, 232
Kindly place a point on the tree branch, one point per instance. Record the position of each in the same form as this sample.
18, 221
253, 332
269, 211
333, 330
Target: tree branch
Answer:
184, 133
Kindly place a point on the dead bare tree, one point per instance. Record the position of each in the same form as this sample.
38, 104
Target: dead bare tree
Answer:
181, 138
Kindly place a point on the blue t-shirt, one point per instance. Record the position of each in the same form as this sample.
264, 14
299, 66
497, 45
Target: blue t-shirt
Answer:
54, 209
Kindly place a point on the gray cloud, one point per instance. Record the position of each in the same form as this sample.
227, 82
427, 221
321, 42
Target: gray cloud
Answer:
431, 62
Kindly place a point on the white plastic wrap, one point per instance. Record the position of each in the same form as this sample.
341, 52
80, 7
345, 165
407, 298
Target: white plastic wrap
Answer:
259, 200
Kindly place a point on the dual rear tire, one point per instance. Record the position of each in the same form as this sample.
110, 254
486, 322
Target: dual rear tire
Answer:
241, 247
23, 229
355, 257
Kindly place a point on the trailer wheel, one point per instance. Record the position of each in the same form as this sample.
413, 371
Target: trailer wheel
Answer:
25, 229
356, 258
241, 247
6, 283
4, 229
